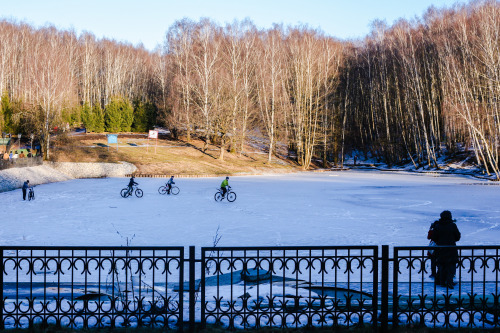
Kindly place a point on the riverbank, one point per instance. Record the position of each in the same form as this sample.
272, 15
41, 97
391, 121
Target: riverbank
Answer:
51, 172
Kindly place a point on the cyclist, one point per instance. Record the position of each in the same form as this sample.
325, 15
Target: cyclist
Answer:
169, 184
131, 184
26, 186
224, 186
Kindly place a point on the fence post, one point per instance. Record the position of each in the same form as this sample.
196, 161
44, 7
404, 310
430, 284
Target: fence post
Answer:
384, 297
1, 290
192, 291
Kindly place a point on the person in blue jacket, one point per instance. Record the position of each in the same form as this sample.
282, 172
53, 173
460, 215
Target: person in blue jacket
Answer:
169, 184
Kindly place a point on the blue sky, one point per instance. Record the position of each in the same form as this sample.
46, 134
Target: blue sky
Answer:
147, 21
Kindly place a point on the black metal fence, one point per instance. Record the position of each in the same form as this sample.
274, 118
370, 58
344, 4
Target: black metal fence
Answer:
245, 287
289, 286
91, 287
472, 303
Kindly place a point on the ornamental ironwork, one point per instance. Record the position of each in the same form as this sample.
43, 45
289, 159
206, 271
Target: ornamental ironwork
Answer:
92, 287
246, 287
289, 287
472, 301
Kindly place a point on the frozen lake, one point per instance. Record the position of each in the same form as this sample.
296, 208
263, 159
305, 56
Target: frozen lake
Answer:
328, 208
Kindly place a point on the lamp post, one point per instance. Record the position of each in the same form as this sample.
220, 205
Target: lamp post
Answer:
19, 136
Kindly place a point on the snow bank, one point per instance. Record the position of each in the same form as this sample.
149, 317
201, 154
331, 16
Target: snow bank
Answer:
94, 170
50, 172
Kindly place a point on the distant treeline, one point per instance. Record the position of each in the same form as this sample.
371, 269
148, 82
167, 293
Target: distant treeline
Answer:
403, 94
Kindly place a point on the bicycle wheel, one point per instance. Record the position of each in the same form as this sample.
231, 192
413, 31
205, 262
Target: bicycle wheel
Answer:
162, 190
174, 190
124, 192
218, 196
138, 193
231, 196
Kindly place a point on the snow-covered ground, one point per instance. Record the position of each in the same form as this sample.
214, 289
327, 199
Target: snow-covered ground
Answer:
328, 208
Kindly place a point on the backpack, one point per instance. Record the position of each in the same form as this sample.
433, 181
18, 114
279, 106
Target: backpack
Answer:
430, 233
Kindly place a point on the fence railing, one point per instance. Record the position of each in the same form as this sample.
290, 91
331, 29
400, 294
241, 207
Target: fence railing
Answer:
289, 286
472, 303
245, 287
91, 287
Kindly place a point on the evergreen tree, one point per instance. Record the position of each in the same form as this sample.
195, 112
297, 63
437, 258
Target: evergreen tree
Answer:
88, 117
2, 121
139, 125
97, 119
65, 116
144, 116
76, 116
151, 114
6, 110
113, 116
127, 114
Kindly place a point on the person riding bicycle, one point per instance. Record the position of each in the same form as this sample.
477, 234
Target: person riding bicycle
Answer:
26, 186
169, 184
224, 186
131, 184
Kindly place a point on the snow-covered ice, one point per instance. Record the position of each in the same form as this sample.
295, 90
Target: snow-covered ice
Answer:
327, 208
352, 207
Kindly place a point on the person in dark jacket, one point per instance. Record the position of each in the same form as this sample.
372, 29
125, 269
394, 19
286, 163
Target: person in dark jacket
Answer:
131, 184
446, 233
431, 253
26, 186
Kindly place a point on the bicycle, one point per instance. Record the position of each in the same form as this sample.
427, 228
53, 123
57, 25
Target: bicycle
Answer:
230, 195
173, 190
31, 194
126, 192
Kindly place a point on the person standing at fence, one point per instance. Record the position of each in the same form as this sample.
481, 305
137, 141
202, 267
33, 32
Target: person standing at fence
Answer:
431, 253
26, 186
6, 156
446, 233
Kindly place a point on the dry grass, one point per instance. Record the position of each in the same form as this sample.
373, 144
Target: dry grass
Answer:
168, 157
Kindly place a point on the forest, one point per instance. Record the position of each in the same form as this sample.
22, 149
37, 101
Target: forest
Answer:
406, 93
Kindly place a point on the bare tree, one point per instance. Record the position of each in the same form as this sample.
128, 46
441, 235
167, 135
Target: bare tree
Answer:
50, 81
269, 76
206, 58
